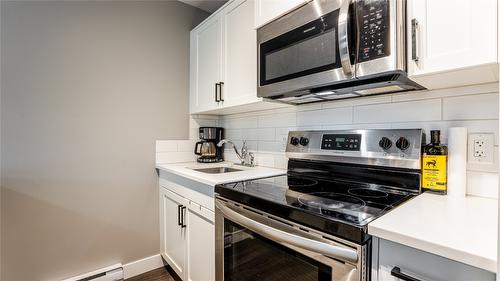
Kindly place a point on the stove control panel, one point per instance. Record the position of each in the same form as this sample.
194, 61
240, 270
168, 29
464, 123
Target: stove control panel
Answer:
383, 147
341, 142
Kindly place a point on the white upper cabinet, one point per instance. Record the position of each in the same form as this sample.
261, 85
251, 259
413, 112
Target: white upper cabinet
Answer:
452, 42
223, 67
206, 65
240, 60
268, 10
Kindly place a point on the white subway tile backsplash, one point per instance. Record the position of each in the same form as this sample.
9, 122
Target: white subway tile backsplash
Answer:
185, 145
278, 120
471, 107
426, 110
240, 123
265, 134
274, 146
358, 101
357, 126
482, 184
234, 134
308, 107
166, 145
174, 157
264, 159
342, 115
448, 92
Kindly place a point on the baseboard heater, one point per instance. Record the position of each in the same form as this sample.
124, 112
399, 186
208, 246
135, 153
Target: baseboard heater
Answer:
109, 273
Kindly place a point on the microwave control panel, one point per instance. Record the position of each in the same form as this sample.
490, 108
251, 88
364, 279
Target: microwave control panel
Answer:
373, 21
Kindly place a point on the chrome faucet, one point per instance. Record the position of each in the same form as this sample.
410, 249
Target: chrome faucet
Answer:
246, 158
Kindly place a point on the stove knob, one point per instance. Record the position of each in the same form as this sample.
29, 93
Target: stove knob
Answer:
294, 141
385, 143
304, 141
402, 143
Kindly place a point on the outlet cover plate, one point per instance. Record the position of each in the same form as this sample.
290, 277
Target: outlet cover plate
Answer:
481, 148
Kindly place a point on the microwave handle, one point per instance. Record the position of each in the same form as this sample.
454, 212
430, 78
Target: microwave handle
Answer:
414, 43
343, 38
287, 238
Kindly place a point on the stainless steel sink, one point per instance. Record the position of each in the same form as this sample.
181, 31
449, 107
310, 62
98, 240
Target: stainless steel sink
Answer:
217, 170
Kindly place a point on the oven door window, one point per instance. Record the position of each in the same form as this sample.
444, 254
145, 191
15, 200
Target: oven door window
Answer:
308, 49
249, 256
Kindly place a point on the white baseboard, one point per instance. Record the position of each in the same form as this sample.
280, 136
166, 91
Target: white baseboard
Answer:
137, 267
117, 266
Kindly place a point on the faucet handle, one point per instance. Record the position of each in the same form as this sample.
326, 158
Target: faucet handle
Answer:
252, 159
244, 147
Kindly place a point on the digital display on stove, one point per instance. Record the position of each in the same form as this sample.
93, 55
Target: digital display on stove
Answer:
350, 142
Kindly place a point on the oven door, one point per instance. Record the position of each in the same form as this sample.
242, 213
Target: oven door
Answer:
307, 48
251, 245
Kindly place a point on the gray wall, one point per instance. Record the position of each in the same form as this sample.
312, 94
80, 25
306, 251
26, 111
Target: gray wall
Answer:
86, 89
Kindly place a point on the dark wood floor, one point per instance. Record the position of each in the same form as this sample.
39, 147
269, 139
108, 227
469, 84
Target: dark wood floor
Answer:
159, 274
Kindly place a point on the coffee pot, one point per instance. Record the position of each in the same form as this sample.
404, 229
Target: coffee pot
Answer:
205, 149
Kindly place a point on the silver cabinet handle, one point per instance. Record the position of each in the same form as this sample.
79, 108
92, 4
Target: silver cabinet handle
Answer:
288, 238
343, 38
414, 43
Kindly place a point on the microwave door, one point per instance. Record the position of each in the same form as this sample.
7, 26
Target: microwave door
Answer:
304, 49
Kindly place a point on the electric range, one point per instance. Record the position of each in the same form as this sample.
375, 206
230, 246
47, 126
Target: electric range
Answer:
337, 183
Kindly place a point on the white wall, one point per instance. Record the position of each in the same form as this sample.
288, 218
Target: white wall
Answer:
474, 107
87, 88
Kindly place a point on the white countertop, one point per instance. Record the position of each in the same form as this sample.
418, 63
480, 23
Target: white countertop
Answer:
247, 173
461, 229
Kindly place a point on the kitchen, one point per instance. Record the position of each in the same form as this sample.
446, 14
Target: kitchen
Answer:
112, 189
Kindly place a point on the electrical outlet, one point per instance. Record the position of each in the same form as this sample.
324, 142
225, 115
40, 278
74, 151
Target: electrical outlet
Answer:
481, 148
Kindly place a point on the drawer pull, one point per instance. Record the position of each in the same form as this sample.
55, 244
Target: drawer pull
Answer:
396, 272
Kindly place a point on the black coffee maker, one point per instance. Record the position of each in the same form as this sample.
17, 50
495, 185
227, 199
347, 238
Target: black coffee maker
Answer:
207, 148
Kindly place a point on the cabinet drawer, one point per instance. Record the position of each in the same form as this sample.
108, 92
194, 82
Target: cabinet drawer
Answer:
197, 192
423, 265
202, 211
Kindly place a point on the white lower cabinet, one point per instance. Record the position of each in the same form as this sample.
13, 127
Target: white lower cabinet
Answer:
420, 265
187, 236
201, 245
173, 235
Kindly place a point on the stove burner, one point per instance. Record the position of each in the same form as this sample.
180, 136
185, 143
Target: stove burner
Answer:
331, 201
367, 192
296, 182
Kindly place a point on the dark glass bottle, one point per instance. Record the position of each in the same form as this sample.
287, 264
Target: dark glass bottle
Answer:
434, 165
435, 147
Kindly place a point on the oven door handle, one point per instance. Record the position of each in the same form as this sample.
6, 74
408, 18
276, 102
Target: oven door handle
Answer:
343, 38
288, 238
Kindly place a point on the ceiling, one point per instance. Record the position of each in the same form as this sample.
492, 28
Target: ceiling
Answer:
206, 5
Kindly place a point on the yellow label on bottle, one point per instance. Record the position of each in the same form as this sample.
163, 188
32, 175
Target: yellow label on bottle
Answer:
434, 172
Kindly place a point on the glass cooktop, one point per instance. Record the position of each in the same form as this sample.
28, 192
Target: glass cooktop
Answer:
319, 203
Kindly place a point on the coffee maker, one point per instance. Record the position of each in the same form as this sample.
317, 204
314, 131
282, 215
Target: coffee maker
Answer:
207, 148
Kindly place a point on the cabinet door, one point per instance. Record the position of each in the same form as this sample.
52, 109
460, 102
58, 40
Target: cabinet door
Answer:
240, 60
452, 34
423, 265
267, 10
201, 243
173, 236
206, 64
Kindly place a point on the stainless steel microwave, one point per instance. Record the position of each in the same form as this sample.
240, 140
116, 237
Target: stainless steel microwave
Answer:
334, 49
